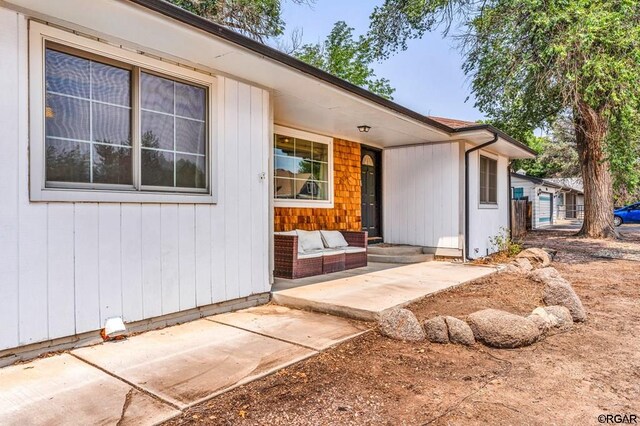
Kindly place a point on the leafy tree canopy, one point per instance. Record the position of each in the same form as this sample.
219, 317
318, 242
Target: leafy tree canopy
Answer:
557, 152
532, 62
346, 57
258, 19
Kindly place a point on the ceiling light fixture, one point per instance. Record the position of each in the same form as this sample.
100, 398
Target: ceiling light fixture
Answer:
364, 128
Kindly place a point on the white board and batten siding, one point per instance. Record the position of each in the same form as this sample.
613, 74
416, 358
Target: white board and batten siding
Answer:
66, 267
421, 187
487, 221
540, 197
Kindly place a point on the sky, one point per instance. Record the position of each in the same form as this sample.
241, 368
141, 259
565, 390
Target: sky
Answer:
427, 76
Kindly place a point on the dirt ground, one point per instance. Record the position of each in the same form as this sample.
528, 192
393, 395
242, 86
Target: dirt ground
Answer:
568, 378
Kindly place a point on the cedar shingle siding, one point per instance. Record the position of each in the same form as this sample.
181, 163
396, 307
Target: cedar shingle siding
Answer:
346, 214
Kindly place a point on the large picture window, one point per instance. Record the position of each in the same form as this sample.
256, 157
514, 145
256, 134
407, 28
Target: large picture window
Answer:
111, 125
302, 168
488, 180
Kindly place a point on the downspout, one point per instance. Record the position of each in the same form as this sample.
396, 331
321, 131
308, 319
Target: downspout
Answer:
466, 191
509, 197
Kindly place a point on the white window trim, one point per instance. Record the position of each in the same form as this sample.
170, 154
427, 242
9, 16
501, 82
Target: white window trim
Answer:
295, 133
484, 204
39, 34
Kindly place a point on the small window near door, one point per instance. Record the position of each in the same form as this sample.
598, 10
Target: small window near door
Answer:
488, 180
367, 161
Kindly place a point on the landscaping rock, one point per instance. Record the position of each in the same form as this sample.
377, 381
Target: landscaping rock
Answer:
561, 319
520, 265
542, 322
538, 257
401, 324
436, 330
459, 331
501, 329
543, 275
558, 291
550, 319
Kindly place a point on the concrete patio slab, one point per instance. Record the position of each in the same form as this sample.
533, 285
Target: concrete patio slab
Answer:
366, 296
195, 361
62, 390
309, 329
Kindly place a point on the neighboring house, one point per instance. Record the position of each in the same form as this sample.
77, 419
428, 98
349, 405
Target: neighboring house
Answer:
552, 200
144, 155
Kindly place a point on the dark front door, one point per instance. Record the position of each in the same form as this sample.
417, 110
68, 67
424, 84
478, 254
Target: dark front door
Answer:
371, 199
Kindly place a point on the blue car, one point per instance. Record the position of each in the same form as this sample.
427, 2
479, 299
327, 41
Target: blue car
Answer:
628, 214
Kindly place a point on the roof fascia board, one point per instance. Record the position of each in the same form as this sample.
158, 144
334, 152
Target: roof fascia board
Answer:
188, 18
491, 130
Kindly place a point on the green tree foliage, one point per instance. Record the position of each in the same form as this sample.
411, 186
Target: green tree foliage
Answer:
532, 62
345, 57
557, 151
258, 19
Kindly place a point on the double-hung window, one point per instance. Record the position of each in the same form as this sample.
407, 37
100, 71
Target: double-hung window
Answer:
302, 169
488, 180
114, 130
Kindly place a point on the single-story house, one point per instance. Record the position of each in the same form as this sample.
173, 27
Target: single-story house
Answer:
149, 155
552, 200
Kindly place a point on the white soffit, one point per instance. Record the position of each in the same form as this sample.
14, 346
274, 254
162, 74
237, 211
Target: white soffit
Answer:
502, 146
300, 100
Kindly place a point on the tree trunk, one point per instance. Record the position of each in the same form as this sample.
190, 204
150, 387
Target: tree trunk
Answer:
591, 131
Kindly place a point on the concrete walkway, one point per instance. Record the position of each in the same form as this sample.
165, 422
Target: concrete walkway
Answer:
152, 377
365, 296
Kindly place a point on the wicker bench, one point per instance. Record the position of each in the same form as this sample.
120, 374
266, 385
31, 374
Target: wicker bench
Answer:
289, 263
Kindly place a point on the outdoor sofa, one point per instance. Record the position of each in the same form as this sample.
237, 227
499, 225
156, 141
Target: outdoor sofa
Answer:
301, 253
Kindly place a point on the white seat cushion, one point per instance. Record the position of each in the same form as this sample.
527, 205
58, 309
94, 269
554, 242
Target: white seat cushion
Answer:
311, 254
353, 249
309, 240
332, 252
333, 239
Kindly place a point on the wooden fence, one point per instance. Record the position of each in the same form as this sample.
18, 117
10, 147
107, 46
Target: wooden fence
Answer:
519, 214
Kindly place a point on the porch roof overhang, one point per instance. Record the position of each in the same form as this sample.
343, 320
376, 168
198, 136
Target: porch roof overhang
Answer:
304, 97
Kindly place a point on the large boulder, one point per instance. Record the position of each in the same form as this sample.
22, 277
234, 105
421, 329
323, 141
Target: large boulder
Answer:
543, 275
400, 324
560, 317
538, 257
543, 322
558, 291
459, 331
436, 330
520, 265
551, 319
501, 329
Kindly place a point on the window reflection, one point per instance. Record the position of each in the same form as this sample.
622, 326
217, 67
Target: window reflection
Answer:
87, 121
301, 169
88, 125
173, 133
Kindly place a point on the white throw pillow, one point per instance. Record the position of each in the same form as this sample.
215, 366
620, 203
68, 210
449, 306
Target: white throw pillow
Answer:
333, 239
310, 240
